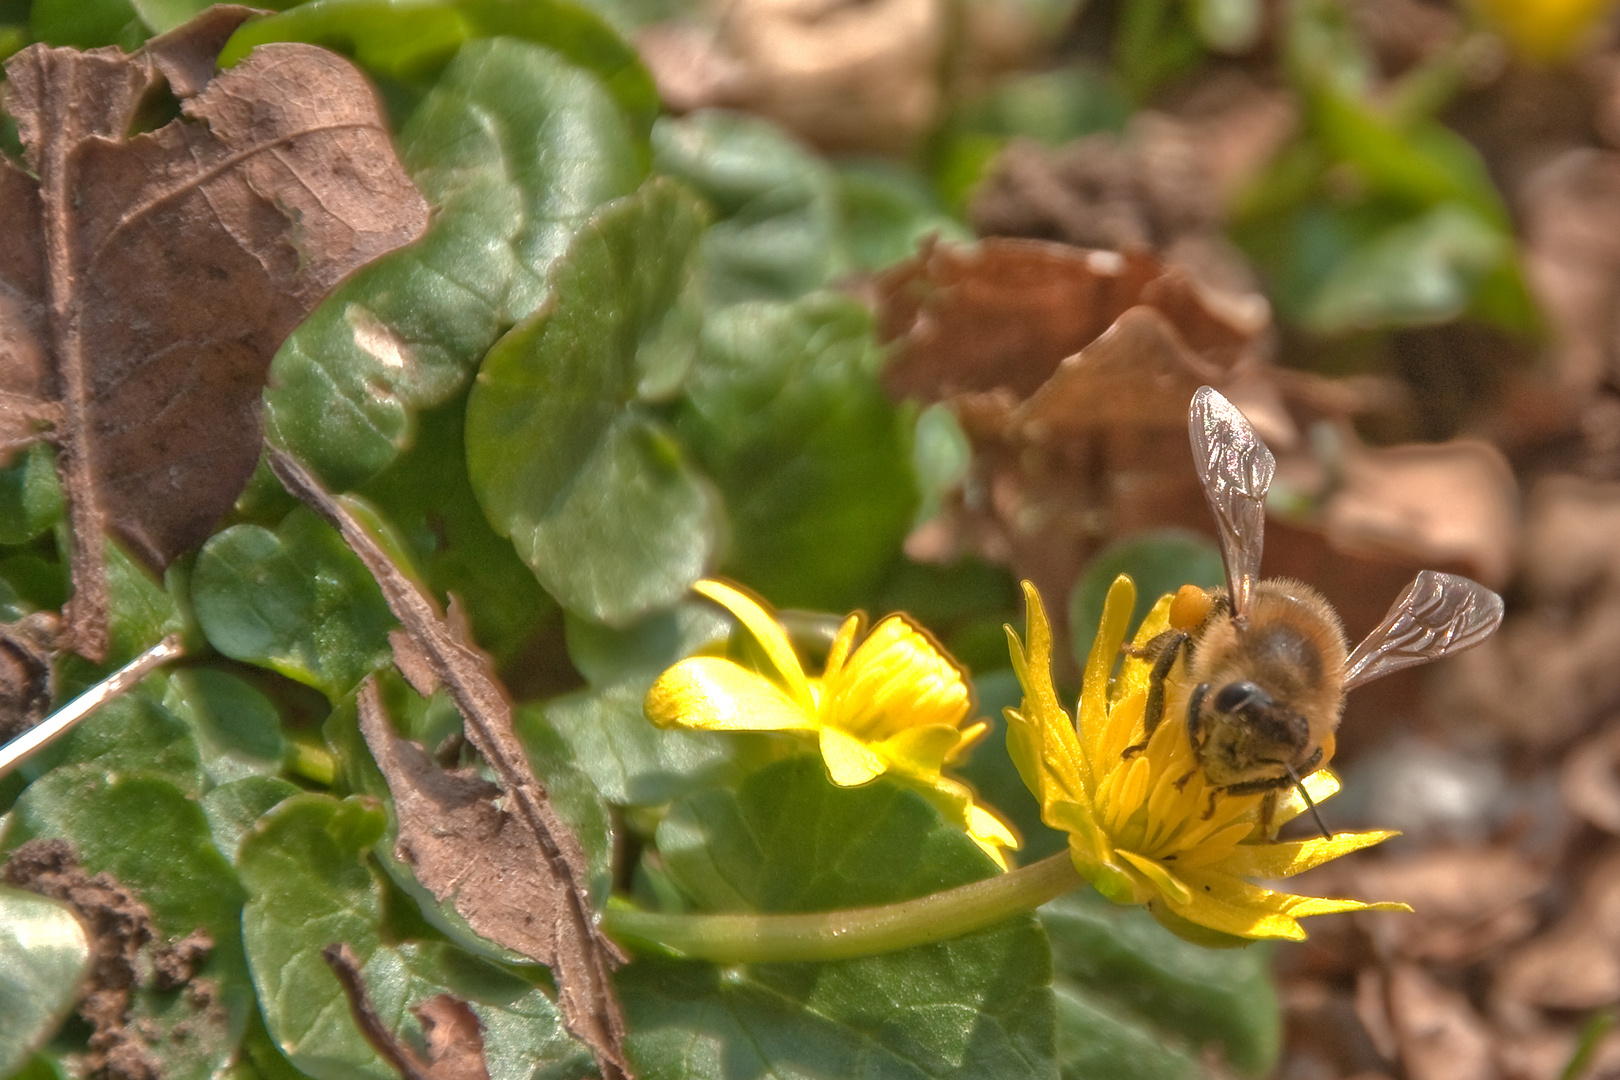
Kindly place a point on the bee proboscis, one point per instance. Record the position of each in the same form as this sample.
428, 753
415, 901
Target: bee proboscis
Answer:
1263, 666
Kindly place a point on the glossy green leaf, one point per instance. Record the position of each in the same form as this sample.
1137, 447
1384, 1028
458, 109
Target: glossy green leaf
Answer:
593, 491
236, 728
87, 24
886, 211
296, 600
30, 495
605, 655
309, 885
1124, 964
409, 39
149, 835
631, 762
132, 733
786, 414
1097, 1044
513, 148
776, 204
430, 503
234, 807
788, 840
1160, 561
43, 955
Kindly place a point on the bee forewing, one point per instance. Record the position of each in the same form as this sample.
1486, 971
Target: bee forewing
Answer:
1236, 469
1437, 615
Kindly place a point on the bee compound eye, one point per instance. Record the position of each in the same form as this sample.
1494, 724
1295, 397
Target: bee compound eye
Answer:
1243, 696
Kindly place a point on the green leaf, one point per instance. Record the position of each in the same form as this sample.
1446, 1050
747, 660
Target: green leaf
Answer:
30, 495
296, 600
233, 807
237, 730
1097, 1044
977, 1006
886, 211
593, 491
87, 24
309, 886
1159, 561
154, 839
786, 414
427, 497
605, 655
1124, 964
43, 955
514, 148
631, 762
130, 734
776, 231
1426, 270
410, 39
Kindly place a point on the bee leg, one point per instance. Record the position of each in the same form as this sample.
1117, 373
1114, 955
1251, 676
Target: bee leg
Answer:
1209, 811
1181, 785
1195, 722
1163, 650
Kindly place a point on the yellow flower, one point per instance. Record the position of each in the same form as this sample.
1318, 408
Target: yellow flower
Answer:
1140, 828
894, 706
1544, 31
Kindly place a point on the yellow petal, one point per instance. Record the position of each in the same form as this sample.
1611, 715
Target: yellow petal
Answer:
965, 740
771, 638
920, 750
1322, 785
1094, 686
714, 694
987, 828
896, 678
1172, 888
849, 762
1234, 906
840, 647
1293, 857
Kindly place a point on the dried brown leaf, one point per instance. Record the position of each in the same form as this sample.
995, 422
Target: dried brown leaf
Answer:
147, 279
1440, 1035
1591, 780
843, 74
547, 915
455, 1039
1070, 372
1441, 504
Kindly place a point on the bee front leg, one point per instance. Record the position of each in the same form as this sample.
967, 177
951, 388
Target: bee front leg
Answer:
1163, 650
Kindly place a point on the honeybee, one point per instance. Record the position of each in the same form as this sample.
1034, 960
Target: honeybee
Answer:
1263, 666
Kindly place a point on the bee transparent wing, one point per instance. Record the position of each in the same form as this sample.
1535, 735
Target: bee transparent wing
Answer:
1437, 615
1236, 469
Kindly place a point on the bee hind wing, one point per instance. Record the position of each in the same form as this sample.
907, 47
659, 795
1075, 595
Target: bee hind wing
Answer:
1235, 469
1437, 615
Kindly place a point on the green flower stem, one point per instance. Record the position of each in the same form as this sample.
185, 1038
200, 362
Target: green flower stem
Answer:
840, 935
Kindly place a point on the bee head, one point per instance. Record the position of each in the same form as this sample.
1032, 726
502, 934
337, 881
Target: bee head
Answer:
1248, 735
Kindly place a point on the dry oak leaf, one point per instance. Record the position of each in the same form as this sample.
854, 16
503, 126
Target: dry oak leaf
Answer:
147, 279
1069, 370
516, 872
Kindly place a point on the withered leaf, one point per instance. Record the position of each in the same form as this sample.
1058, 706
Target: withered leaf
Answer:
455, 1040
147, 279
535, 900
1069, 371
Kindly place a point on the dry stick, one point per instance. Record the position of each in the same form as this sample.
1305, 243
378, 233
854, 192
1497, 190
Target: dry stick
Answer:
346, 966
86, 612
487, 715
114, 685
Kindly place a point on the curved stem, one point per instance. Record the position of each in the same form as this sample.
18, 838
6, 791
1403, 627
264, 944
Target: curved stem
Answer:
840, 935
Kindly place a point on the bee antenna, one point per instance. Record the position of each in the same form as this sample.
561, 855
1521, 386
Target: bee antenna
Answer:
1299, 786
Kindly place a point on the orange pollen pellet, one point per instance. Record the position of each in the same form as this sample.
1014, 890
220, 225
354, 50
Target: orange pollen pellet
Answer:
1190, 608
